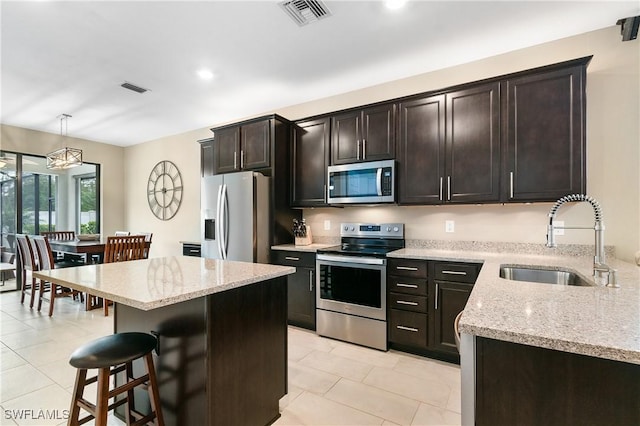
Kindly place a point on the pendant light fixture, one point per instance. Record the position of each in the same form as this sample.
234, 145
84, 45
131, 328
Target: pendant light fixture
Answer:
64, 158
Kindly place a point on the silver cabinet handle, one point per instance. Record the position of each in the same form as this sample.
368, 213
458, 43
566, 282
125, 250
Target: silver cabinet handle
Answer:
441, 179
406, 268
310, 280
325, 195
194, 251
364, 149
449, 188
292, 258
454, 272
357, 150
235, 159
402, 327
242, 158
406, 285
404, 302
436, 307
511, 184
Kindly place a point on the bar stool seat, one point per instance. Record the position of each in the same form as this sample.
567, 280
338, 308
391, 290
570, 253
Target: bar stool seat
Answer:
111, 355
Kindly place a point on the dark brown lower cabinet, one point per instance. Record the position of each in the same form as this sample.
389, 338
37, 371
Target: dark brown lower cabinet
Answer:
301, 287
449, 300
221, 359
525, 385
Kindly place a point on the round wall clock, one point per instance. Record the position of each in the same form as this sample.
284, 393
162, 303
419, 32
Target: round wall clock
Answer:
164, 190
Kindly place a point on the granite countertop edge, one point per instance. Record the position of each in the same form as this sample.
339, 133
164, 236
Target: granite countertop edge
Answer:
595, 321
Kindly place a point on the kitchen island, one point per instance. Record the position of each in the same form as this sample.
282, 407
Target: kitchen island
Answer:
221, 327
535, 353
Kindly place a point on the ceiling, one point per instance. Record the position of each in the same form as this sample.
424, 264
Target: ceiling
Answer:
71, 57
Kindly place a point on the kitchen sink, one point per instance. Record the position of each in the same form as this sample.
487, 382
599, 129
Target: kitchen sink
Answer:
542, 274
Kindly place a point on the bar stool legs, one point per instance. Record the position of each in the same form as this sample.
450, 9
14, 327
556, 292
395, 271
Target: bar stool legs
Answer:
112, 355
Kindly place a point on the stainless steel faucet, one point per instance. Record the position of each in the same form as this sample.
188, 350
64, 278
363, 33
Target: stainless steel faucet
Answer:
601, 270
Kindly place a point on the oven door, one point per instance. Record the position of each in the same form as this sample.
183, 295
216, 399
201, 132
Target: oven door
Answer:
352, 285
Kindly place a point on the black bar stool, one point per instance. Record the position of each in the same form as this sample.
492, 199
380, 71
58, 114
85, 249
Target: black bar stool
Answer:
111, 355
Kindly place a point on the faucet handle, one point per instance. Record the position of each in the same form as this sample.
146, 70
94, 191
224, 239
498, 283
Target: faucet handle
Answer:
612, 279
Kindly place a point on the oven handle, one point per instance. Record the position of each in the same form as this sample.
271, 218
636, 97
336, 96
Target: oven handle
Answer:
352, 259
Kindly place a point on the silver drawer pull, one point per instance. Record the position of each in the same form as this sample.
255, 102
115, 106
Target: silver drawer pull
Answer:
407, 268
406, 285
404, 302
454, 272
194, 251
291, 258
402, 327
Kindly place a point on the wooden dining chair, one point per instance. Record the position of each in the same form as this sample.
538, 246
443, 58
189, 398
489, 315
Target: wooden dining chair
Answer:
147, 238
28, 263
46, 262
122, 249
60, 256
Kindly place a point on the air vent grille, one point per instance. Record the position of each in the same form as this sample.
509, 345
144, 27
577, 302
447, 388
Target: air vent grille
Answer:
304, 12
133, 87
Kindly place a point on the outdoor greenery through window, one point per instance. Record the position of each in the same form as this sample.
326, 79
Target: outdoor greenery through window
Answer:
87, 195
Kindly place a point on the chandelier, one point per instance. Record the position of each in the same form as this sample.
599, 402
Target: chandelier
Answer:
64, 158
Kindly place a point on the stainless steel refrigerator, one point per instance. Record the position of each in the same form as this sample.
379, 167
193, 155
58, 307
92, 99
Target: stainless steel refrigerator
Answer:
235, 215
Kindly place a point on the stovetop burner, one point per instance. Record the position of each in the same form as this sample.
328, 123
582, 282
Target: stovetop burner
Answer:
365, 239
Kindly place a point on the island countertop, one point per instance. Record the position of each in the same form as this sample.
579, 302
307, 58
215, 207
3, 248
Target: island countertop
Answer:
153, 283
596, 321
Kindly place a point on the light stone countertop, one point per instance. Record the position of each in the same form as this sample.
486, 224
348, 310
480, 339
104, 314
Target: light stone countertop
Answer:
153, 283
312, 248
596, 321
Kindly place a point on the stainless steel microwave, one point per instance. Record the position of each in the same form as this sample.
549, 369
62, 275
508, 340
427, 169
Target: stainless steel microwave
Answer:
365, 183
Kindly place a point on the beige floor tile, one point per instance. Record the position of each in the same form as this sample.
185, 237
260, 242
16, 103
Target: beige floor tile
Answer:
24, 338
13, 326
293, 393
5, 420
310, 340
428, 415
46, 406
372, 400
310, 409
421, 389
297, 352
454, 403
59, 371
335, 364
310, 379
9, 359
429, 369
366, 355
44, 353
388, 423
21, 381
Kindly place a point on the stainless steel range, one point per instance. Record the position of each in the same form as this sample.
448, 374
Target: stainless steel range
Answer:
351, 301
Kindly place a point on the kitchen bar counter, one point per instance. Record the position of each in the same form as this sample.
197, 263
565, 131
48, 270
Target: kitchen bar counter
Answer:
158, 282
221, 326
595, 321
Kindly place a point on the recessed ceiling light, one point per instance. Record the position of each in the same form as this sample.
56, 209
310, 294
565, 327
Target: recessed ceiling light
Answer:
205, 74
395, 4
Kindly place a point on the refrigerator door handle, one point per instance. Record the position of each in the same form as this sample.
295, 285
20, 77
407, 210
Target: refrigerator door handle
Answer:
219, 221
224, 215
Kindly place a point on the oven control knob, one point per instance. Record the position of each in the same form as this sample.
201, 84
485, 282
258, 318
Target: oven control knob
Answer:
396, 229
388, 229
346, 228
352, 228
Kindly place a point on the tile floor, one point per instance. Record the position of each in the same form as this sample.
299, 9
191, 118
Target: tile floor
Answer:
330, 382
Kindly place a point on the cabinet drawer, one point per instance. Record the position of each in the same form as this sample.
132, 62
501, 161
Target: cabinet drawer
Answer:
294, 258
406, 285
458, 272
408, 328
407, 302
407, 267
191, 250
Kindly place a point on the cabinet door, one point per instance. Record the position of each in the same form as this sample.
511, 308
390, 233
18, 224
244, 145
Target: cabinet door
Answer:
473, 145
301, 298
255, 145
309, 161
226, 150
345, 137
378, 133
448, 300
421, 150
206, 157
545, 135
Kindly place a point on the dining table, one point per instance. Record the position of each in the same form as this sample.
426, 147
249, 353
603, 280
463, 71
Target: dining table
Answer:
87, 249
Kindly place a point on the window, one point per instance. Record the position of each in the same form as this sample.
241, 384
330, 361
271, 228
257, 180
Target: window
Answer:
86, 200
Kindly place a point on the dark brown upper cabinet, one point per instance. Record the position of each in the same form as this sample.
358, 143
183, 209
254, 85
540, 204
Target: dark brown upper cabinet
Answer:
545, 134
473, 145
420, 154
243, 147
449, 147
363, 135
309, 160
206, 157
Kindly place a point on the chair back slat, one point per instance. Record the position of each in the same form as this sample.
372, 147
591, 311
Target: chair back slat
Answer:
122, 233
121, 249
26, 252
45, 255
59, 235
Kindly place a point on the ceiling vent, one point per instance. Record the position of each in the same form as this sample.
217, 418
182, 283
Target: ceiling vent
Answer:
304, 12
133, 87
